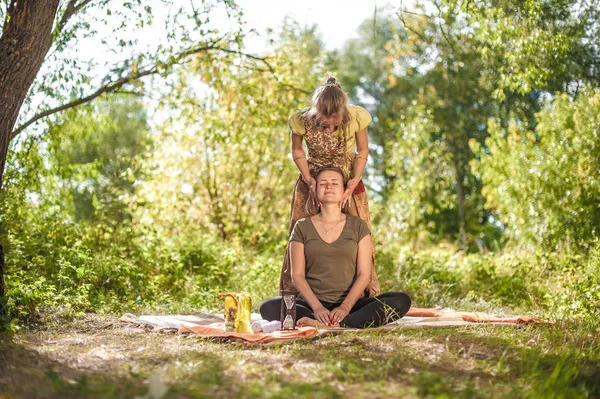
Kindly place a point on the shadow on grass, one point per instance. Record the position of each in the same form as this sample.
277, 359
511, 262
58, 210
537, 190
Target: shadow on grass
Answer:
233, 371
376, 360
211, 370
25, 373
461, 363
484, 361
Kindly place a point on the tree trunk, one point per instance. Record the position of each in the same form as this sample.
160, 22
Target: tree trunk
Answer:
25, 41
460, 193
4, 319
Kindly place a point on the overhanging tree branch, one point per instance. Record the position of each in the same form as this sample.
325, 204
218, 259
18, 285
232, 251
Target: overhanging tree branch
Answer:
441, 25
403, 11
295, 88
229, 51
134, 76
10, 6
69, 11
406, 26
72, 9
103, 90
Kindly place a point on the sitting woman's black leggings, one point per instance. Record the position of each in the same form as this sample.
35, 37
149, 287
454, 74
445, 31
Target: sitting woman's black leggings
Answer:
366, 312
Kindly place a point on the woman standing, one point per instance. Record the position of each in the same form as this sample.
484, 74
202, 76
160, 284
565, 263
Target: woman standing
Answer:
335, 134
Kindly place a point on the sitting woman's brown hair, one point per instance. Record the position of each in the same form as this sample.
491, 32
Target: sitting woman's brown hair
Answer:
311, 208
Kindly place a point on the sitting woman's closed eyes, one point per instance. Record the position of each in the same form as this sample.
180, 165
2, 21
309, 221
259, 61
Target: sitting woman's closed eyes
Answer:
330, 256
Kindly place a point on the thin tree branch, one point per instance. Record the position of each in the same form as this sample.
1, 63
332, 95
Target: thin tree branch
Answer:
416, 13
69, 11
72, 9
9, 9
114, 86
196, 13
103, 90
253, 57
450, 42
193, 51
32, 140
129, 92
444, 34
399, 14
82, 4
295, 88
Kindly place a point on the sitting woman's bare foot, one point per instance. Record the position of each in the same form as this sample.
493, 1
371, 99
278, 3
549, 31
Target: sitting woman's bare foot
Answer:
308, 322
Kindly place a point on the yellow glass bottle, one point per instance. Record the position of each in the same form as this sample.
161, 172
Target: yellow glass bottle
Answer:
231, 310
238, 311
244, 313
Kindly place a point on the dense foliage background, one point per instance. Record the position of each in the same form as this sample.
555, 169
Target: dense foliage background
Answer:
483, 173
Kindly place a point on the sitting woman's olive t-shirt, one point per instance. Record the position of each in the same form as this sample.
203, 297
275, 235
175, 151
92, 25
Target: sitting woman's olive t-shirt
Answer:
330, 268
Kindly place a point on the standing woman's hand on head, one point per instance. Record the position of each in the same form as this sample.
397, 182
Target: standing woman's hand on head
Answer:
312, 190
360, 161
352, 183
302, 164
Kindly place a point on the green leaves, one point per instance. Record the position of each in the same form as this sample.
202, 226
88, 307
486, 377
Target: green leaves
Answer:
223, 166
543, 184
107, 207
77, 74
431, 97
538, 44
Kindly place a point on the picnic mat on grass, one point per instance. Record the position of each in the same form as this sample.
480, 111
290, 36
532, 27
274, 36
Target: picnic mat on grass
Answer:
217, 330
472, 317
212, 325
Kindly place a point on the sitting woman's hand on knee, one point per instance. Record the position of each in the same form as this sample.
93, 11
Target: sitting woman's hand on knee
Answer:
322, 315
338, 314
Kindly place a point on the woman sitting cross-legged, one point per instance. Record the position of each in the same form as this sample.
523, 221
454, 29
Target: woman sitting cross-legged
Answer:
331, 255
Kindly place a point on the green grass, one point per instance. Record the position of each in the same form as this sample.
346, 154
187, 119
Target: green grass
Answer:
58, 350
101, 357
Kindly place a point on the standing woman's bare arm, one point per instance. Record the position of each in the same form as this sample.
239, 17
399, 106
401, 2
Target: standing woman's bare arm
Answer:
362, 153
302, 163
299, 156
360, 161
